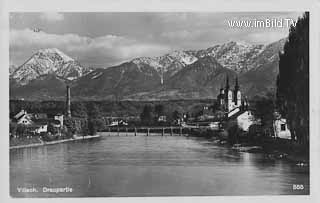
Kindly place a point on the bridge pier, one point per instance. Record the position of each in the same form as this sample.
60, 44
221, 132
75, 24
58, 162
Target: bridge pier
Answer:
162, 131
135, 131
171, 131
148, 131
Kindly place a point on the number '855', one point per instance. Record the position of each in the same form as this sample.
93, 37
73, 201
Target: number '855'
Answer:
297, 187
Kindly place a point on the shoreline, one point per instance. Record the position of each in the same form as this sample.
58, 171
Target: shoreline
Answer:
272, 149
54, 142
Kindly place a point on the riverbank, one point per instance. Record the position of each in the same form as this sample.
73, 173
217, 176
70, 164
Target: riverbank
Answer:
274, 149
39, 142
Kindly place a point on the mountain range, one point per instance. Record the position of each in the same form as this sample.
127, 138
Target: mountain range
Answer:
190, 74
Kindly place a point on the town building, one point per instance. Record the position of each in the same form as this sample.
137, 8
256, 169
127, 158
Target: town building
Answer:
59, 117
162, 118
38, 122
280, 127
40, 128
23, 118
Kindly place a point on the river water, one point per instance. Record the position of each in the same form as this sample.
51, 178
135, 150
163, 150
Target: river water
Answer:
149, 166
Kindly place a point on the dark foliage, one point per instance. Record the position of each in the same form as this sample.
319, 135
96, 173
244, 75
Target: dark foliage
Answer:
293, 80
159, 110
52, 129
94, 125
263, 109
146, 116
233, 132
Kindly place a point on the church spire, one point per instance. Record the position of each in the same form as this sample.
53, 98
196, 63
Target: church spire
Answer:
237, 87
227, 83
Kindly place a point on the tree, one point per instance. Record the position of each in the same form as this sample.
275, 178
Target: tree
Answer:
92, 127
216, 106
21, 130
93, 111
254, 131
293, 80
13, 128
52, 129
176, 115
263, 109
146, 116
159, 110
233, 132
76, 126
70, 125
95, 125
79, 110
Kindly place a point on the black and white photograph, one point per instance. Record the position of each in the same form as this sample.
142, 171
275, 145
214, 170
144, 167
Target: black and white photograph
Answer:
159, 104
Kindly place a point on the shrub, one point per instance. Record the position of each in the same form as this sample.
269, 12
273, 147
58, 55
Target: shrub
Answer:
52, 129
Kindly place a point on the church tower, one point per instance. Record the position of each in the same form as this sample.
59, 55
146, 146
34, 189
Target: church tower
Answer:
237, 93
229, 96
221, 97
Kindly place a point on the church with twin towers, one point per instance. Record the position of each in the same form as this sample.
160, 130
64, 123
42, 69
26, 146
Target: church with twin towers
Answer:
231, 99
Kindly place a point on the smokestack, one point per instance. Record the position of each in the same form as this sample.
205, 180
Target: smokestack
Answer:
68, 102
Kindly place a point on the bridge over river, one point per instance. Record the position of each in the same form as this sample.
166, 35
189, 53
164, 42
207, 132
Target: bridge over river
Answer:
160, 130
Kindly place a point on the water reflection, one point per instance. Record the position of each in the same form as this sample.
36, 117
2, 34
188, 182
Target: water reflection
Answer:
150, 166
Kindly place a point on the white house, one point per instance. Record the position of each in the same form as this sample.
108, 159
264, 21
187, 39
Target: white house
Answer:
41, 128
24, 119
245, 120
281, 129
118, 123
162, 119
59, 117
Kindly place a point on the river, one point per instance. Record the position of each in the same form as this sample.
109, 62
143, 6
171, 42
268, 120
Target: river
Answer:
149, 166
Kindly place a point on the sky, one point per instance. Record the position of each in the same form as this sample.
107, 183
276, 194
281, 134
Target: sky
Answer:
107, 39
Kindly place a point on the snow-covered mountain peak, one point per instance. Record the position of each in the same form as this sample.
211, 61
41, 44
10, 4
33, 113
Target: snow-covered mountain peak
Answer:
183, 56
54, 52
48, 61
237, 56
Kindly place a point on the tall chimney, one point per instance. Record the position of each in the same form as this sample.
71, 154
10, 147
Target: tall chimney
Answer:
68, 102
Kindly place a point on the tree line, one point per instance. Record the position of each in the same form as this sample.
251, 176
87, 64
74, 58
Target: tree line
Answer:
84, 109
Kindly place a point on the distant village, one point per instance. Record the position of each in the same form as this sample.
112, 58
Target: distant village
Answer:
229, 106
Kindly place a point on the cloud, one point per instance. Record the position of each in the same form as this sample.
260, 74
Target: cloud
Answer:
265, 37
180, 34
101, 51
52, 16
137, 35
